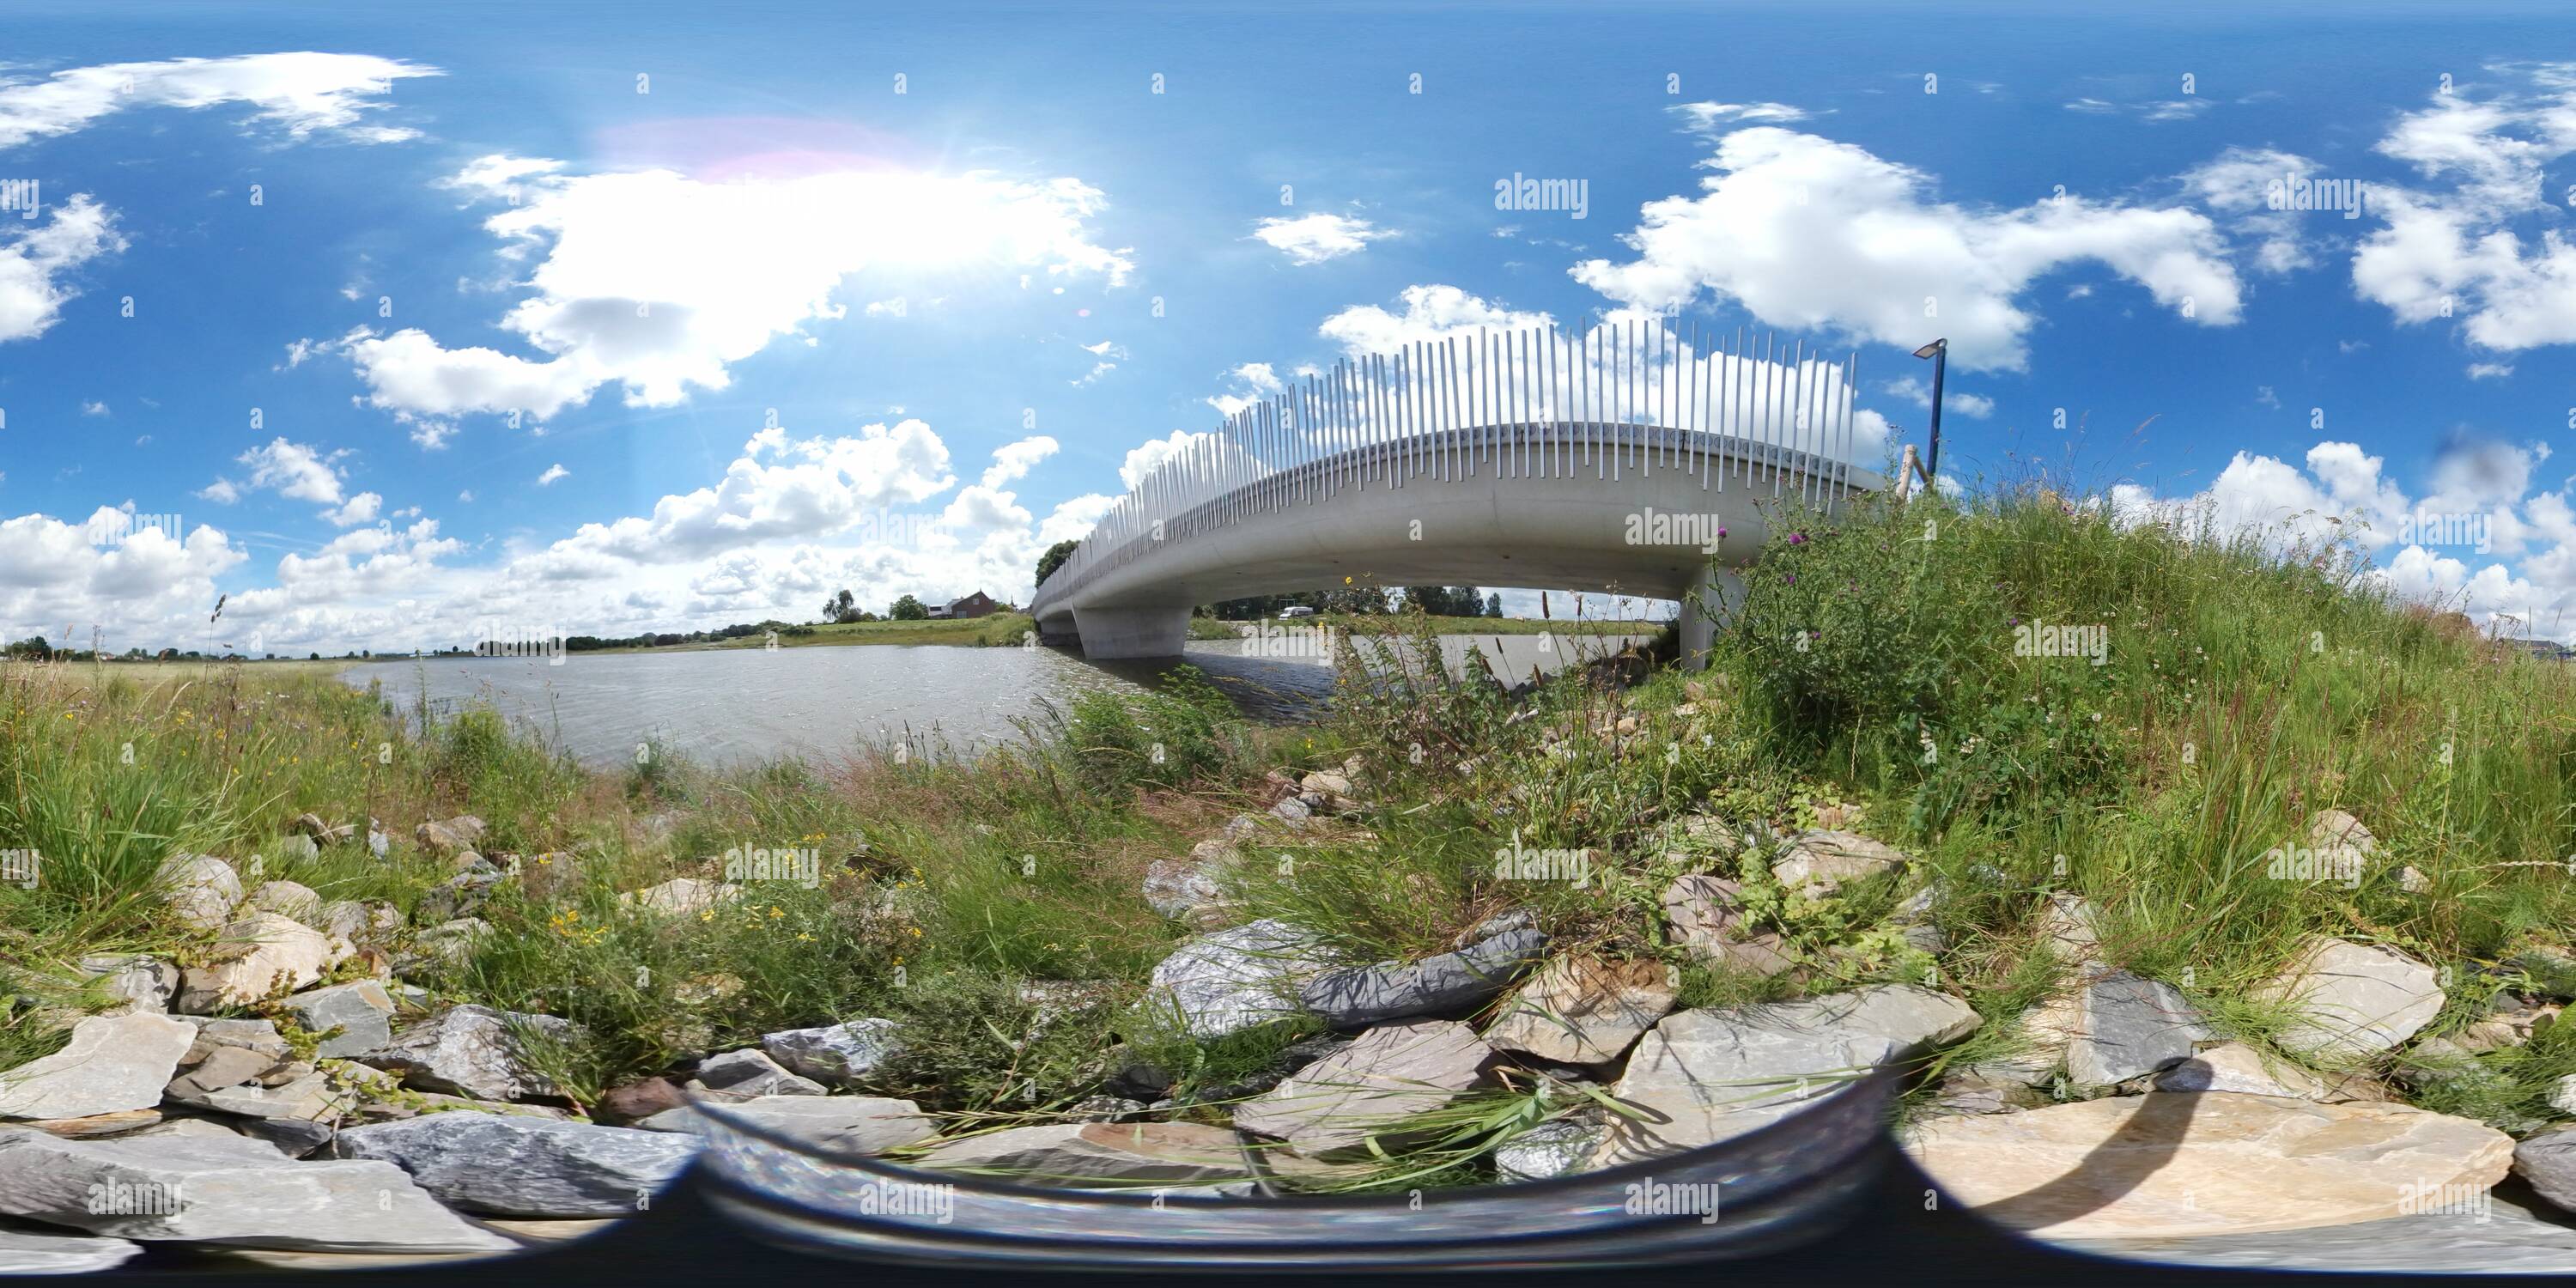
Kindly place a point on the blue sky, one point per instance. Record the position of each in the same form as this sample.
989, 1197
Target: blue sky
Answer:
407, 325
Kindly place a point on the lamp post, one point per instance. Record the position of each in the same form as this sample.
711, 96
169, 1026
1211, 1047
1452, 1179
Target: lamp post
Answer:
1939, 352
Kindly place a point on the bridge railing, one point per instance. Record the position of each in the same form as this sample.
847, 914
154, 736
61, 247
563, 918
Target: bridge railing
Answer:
1533, 403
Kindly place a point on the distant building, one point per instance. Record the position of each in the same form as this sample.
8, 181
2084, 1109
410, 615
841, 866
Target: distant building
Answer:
976, 605
2545, 650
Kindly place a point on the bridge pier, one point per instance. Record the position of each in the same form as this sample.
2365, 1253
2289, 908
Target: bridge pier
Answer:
1132, 632
1714, 596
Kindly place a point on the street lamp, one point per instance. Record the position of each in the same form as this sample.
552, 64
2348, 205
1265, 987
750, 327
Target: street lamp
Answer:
1939, 352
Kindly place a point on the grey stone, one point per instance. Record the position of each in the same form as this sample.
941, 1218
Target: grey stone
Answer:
2547, 1159
680, 897
452, 942
34, 1252
293, 1137
461, 895
751, 1073
1183, 888
2500, 1236
2562, 1094
141, 984
298, 847
2128, 1027
259, 953
1970, 1091
1583, 1010
1098, 1155
200, 889
378, 843
1293, 811
2071, 926
2239, 1068
256, 1035
1706, 1076
228, 1191
1820, 862
511, 1166
835, 1054
362, 1011
451, 836
1501, 923
308, 1097
2330, 829
1550, 1149
1450, 984
223, 1067
112, 1063
472, 1051
849, 1124
1701, 916
2352, 999
1104, 1109
1335, 1106
360, 923
1238, 979
289, 899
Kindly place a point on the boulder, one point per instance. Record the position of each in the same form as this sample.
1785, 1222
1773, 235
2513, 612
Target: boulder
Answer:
1330, 784
299, 848
844, 1124
112, 1063
311, 825
2235, 1067
260, 954
679, 897
1501, 923
379, 844
2164, 1165
463, 894
1551, 1149
2330, 830
2353, 999
227, 1191
115, 1124
1711, 1075
307, 1097
638, 1100
835, 1054
1190, 889
362, 1012
472, 1051
140, 984
2127, 1027
35, 1252
1702, 916
509, 1166
200, 889
293, 1137
746, 1074
1584, 1010
222, 1068
2069, 926
291, 900
1336, 1106
1977, 1091
449, 837
1098, 1155
1238, 979
2547, 1159
360, 923
1450, 984
1821, 862
260, 1036
2562, 1094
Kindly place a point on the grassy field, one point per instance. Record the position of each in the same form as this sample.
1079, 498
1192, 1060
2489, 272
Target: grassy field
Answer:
1882, 673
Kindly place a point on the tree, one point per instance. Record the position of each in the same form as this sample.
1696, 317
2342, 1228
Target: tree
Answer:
843, 607
32, 647
1493, 605
1054, 558
907, 609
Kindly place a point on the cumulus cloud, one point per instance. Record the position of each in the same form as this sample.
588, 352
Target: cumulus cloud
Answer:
302, 93
145, 586
1709, 117
1312, 239
1013, 460
35, 264
289, 469
1913, 390
610, 304
1808, 233
552, 473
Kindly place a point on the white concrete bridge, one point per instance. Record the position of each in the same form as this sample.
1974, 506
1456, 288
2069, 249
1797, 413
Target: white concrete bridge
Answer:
1627, 460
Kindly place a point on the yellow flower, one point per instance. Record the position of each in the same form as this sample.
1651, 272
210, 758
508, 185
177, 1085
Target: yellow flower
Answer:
708, 915
804, 936
774, 913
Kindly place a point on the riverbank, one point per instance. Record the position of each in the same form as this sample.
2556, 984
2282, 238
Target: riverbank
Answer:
2055, 810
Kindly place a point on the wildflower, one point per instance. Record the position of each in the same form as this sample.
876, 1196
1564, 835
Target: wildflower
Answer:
1797, 538
804, 936
708, 915
774, 913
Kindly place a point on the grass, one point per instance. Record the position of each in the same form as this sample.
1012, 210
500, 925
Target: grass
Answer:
1872, 679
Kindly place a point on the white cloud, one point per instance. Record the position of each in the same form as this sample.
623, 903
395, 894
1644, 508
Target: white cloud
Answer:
432, 435
610, 303
1013, 460
2248, 187
1708, 117
93, 407
552, 473
1809, 233
34, 263
1913, 390
221, 492
303, 93
362, 508
2490, 370
1312, 239
293, 470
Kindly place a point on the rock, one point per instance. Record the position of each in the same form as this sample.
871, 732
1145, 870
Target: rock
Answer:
1098, 1155
378, 843
112, 1063
362, 1012
2128, 1027
1104, 1109
2412, 880
1706, 1076
1701, 916
1292, 811
115, 1124
1181, 888
293, 1137
2239, 1068
836, 1054
200, 889
1138, 1080
260, 954
2175, 1166
1450, 984
1913, 918
1241, 827
508, 1166
2070, 926
1583, 1010
2547, 1159
680, 897
1821, 862
2562, 1094
461, 895
222, 1068
745, 1074
1237, 979
1973, 1091
228, 1190
288, 899
32, 1252
359, 923
849, 1124
298, 848
472, 1051
2510, 1025
311, 825
1501, 923
458, 833
142, 985
307, 1097
635, 1101
2332, 829
448, 944
1334, 1106
1329, 784
2354, 999
260, 1036
1551, 1149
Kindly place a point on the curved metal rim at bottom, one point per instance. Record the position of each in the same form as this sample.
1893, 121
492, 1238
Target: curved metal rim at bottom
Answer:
1786, 1183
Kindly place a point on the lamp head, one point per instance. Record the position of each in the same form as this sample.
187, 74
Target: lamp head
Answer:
1932, 348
